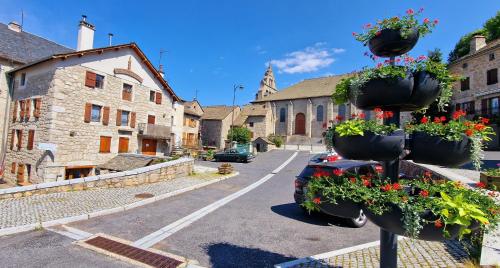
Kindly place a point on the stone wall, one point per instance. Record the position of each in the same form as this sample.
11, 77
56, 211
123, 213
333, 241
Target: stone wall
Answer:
211, 132
5, 66
150, 174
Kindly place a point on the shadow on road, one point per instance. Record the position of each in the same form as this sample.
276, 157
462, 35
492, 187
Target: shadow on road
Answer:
224, 255
293, 211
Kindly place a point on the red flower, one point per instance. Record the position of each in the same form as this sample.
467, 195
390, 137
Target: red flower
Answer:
485, 120
410, 11
317, 200
366, 183
353, 116
436, 21
438, 223
424, 120
338, 172
481, 185
437, 120
338, 117
378, 33
426, 20
386, 188
377, 110
424, 193
443, 118
457, 114
388, 114
352, 179
368, 25
362, 115
396, 186
469, 132
427, 174
317, 174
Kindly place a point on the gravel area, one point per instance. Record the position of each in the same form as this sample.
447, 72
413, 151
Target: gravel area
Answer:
40, 208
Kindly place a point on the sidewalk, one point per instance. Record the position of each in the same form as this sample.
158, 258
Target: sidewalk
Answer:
42, 208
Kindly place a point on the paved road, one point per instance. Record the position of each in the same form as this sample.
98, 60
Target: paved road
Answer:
261, 228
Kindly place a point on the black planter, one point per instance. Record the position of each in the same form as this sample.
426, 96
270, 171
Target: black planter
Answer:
385, 93
392, 221
370, 146
343, 208
390, 43
434, 150
425, 90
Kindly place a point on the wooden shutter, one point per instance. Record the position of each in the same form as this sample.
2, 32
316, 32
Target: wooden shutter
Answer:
123, 145
19, 139
158, 98
12, 138
20, 173
27, 110
38, 107
105, 144
21, 113
88, 112
13, 168
31, 139
14, 113
105, 116
118, 117
132, 119
151, 119
90, 79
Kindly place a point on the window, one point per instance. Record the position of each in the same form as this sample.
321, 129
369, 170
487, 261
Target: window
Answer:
490, 106
342, 111
282, 115
123, 145
250, 124
152, 96
319, 113
96, 113
492, 56
127, 92
94, 80
151, 119
105, 144
465, 84
31, 139
13, 168
28, 171
19, 138
465, 65
99, 81
23, 79
124, 118
468, 107
492, 76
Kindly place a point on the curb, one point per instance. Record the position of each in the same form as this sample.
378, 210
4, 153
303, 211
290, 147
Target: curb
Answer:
39, 225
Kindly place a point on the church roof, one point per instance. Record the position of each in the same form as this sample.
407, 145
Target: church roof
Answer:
309, 88
218, 112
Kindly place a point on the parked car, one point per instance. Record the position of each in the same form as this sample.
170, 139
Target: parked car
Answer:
325, 157
233, 155
350, 166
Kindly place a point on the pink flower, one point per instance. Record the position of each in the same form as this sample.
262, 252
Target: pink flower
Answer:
436, 21
368, 25
410, 11
375, 57
421, 57
354, 34
379, 65
426, 20
421, 10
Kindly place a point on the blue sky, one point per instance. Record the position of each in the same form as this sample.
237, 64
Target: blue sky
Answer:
212, 45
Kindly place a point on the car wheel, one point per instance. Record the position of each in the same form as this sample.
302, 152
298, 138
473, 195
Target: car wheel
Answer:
359, 221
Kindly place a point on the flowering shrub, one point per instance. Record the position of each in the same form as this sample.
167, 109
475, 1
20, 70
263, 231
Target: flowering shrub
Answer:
450, 203
454, 129
357, 125
405, 24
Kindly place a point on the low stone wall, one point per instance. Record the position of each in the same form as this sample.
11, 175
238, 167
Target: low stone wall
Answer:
150, 174
413, 170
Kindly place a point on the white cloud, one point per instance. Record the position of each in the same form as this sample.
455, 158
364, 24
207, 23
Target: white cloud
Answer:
308, 60
260, 50
338, 50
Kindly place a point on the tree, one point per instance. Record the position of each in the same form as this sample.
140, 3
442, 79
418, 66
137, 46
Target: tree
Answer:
492, 26
240, 135
435, 55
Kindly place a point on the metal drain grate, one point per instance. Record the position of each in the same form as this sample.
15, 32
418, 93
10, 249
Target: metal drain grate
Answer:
137, 254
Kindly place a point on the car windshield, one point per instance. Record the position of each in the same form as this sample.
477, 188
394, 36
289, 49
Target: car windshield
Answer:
310, 170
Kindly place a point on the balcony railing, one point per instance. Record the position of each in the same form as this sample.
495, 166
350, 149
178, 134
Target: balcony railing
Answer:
155, 131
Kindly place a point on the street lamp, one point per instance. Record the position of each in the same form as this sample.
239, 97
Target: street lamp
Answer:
235, 87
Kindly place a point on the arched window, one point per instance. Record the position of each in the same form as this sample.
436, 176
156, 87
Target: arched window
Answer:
282, 115
342, 110
319, 113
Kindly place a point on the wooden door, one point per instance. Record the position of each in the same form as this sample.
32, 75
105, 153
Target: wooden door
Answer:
300, 124
149, 146
123, 145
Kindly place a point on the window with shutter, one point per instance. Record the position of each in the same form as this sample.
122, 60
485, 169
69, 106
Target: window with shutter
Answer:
27, 112
14, 113
21, 112
127, 92
158, 97
20, 173
132, 119
105, 116
123, 145
88, 110
96, 113
152, 95
31, 139
118, 117
90, 79
151, 119
13, 168
105, 144
38, 107
19, 133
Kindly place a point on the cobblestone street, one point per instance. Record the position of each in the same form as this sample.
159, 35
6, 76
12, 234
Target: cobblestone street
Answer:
40, 208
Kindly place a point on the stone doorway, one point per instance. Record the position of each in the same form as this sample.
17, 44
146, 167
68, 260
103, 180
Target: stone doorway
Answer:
300, 124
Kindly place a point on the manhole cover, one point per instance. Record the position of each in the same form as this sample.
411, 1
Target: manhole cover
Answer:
144, 195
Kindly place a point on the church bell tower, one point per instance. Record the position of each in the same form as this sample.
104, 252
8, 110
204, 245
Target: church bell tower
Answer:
267, 84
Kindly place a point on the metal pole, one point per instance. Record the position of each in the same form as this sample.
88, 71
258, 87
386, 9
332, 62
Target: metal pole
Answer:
388, 240
232, 116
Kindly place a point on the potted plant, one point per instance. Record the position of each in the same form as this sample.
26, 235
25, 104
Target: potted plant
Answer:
491, 177
362, 139
397, 35
448, 144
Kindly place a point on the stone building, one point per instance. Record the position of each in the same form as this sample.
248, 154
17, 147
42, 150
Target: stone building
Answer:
191, 124
257, 118
18, 47
215, 124
479, 92
74, 111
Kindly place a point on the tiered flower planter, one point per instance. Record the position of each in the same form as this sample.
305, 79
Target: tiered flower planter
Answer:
390, 43
435, 150
343, 208
383, 93
370, 146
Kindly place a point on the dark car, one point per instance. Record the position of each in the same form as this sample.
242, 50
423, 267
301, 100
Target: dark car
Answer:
349, 166
233, 155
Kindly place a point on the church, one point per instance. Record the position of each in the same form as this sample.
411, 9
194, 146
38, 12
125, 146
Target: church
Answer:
300, 113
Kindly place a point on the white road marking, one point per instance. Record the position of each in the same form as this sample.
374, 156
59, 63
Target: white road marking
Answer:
172, 228
71, 232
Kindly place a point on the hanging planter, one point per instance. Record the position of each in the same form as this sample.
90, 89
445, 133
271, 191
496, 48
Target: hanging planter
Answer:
425, 91
491, 177
370, 146
391, 43
344, 208
435, 150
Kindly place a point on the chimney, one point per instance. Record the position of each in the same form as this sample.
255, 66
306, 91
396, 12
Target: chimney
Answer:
477, 42
160, 70
85, 35
15, 26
